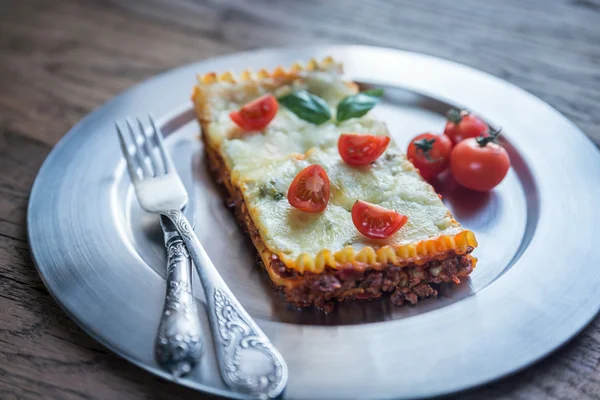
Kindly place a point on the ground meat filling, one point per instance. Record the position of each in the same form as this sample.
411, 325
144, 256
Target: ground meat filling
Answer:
406, 284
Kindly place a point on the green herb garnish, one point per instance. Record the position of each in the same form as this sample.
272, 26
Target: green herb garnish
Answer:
268, 190
491, 137
307, 106
455, 116
390, 156
359, 104
374, 92
424, 146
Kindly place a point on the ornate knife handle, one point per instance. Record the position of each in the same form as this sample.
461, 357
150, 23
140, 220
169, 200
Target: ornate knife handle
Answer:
178, 343
248, 361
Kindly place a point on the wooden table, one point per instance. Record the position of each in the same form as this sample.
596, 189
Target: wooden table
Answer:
61, 59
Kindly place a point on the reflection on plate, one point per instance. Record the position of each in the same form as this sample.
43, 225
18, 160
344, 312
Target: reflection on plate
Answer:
102, 257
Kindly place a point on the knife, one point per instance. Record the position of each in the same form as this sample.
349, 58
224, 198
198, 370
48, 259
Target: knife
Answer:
179, 341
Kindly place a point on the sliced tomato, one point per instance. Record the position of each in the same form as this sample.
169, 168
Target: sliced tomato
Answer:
357, 149
376, 222
257, 114
310, 189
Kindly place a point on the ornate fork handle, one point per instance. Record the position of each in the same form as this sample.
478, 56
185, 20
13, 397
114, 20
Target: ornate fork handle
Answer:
178, 343
248, 361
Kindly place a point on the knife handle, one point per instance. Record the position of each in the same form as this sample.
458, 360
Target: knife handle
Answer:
178, 343
247, 359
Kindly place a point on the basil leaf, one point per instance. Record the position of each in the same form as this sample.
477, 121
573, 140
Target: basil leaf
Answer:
307, 106
358, 104
374, 92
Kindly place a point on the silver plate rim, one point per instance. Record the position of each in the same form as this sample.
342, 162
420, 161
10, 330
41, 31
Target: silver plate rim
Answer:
35, 195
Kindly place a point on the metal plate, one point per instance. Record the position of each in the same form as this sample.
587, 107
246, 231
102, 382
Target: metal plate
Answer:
535, 287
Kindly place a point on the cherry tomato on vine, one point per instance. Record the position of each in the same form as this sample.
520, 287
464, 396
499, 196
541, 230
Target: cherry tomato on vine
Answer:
430, 154
462, 125
479, 163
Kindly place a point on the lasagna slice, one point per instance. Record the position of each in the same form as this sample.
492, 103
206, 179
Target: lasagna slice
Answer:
318, 258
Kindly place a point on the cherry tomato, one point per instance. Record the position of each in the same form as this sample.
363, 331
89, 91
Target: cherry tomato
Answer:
376, 222
357, 149
257, 114
479, 163
430, 154
310, 189
462, 125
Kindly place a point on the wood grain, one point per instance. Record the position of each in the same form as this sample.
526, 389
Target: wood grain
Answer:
61, 59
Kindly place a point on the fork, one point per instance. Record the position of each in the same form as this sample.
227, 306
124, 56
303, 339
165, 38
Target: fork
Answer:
247, 360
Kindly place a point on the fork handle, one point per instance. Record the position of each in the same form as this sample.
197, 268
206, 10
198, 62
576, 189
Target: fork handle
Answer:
179, 342
247, 360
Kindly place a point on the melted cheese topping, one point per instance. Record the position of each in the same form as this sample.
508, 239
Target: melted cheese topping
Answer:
391, 182
263, 164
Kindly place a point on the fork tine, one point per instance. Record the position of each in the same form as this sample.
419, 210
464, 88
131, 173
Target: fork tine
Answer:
131, 166
139, 153
154, 161
161, 145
